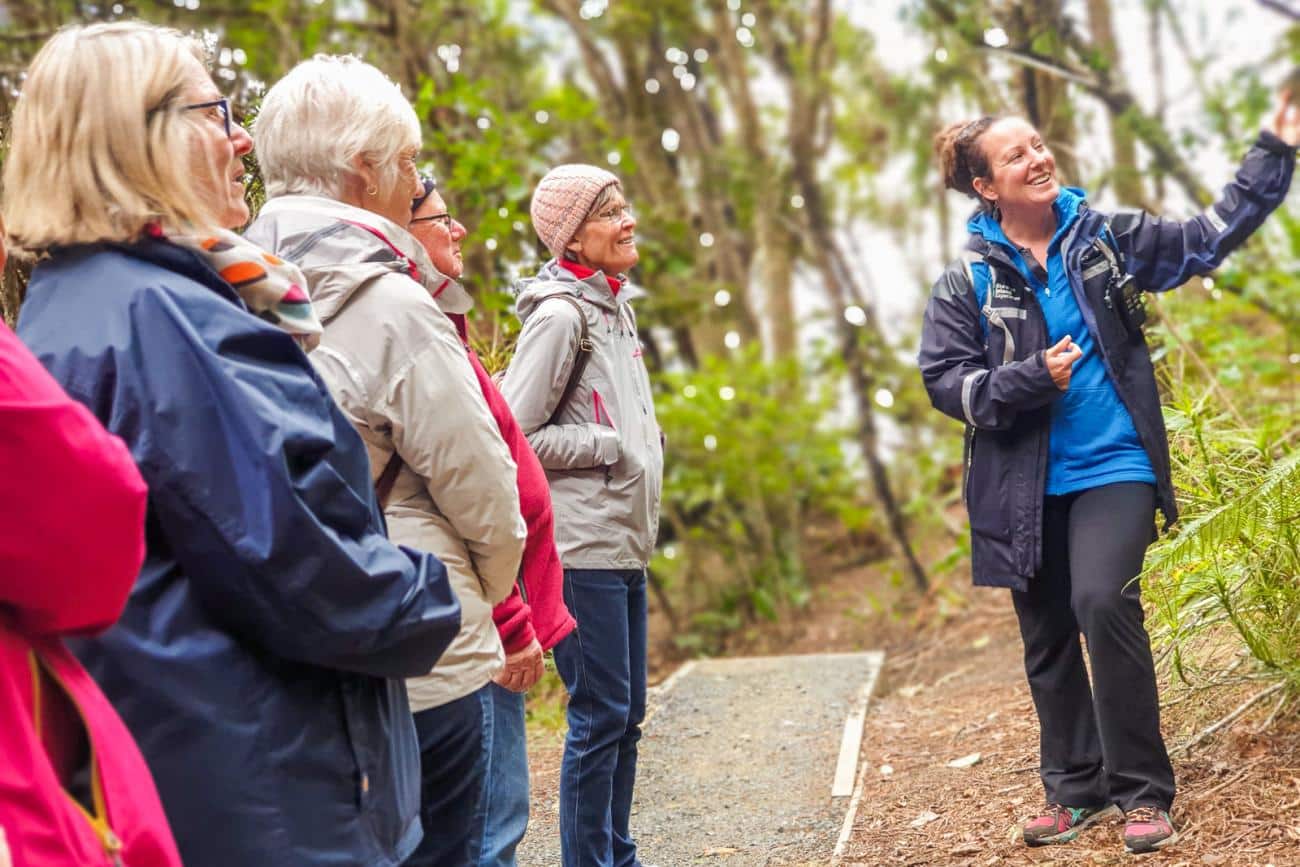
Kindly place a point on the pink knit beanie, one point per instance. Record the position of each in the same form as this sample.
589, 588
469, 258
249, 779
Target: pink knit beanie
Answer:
562, 200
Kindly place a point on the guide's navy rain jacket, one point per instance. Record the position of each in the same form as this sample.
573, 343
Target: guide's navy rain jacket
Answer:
990, 372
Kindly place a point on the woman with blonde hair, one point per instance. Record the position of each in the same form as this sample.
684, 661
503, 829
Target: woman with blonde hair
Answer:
337, 143
260, 656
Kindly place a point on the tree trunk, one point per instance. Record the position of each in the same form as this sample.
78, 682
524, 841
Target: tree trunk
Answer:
1154, 44
1044, 97
1128, 180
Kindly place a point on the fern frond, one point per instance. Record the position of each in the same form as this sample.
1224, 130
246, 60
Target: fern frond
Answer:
1276, 498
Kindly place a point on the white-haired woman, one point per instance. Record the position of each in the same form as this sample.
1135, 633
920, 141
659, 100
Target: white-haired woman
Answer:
260, 656
337, 143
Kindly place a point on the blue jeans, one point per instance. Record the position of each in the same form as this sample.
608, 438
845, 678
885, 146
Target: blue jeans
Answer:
450, 748
603, 664
502, 815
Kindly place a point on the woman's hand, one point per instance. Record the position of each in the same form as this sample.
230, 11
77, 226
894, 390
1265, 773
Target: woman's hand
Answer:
1060, 360
1286, 123
523, 669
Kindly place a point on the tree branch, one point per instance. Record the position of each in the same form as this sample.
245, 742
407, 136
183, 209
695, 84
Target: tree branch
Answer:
1282, 8
1117, 98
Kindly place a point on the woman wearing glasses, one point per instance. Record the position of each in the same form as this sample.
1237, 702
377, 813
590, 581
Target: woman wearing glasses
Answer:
337, 143
529, 623
260, 656
579, 389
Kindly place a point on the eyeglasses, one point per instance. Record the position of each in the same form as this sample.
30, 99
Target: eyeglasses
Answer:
222, 107
616, 214
444, 218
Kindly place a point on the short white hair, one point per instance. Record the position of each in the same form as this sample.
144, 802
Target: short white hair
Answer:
326, 112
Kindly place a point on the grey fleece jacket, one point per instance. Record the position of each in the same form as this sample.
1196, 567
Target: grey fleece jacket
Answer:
604, 454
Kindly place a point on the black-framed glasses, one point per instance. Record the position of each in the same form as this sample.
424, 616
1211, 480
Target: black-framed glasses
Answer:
221, 105
444, 218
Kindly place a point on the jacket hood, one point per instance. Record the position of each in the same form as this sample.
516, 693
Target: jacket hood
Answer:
552, 278
1069, 202
341, 248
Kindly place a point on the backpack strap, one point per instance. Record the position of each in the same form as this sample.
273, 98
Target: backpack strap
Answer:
990, 316
387, 478
384, 484
585, 350
1107, 244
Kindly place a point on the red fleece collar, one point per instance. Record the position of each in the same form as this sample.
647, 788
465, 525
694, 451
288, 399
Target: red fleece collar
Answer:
582, 272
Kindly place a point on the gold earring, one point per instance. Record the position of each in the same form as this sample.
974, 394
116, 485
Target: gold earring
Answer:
372, 191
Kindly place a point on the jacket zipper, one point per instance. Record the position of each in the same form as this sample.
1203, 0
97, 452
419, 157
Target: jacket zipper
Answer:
1090, 320
598, 408
109, 840
1040, 471
970, 459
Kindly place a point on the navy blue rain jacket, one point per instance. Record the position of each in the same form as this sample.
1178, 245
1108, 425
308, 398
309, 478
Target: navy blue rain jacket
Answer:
260, 658
989, 371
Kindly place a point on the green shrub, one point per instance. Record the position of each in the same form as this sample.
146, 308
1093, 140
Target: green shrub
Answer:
750, 460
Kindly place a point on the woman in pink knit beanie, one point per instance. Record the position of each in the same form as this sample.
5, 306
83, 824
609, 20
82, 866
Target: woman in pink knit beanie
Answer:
580, 391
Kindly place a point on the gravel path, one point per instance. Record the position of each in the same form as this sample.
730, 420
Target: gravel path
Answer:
736, 764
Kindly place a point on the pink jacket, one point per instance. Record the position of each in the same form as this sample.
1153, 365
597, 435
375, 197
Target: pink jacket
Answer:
543, 616
67, 564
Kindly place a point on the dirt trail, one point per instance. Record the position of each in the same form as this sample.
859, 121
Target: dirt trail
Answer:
737, 762
955, 688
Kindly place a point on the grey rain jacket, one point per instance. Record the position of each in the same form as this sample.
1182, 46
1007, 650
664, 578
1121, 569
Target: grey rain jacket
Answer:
396, 366
604, 454
989, 371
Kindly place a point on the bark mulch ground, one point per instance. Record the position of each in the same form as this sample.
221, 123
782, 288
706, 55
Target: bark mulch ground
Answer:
960, 691
953, 686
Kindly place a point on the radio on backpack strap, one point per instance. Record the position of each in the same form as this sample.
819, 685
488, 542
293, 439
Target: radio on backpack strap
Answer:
1123, 294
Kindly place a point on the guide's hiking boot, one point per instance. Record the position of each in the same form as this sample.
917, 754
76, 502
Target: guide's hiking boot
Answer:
1060, 824
1147, 829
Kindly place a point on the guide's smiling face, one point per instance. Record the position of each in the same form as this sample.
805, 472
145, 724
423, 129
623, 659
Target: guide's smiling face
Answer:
1022, 167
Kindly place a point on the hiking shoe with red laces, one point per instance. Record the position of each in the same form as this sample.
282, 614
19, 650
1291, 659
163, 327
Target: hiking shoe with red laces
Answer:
1147, 829
1060, 824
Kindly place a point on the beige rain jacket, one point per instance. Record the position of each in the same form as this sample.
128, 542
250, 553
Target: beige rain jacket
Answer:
397, 368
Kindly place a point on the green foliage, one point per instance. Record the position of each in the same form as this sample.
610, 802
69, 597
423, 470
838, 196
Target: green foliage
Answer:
1229, 578
535, 84
751, 460
1237, 563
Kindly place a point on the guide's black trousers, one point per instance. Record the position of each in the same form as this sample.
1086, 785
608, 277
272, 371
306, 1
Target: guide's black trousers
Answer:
1099, 744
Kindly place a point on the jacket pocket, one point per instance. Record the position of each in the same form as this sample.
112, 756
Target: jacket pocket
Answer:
360, 777
989, 485
1111, 333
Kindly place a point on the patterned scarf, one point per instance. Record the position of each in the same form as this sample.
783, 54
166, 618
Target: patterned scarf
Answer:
270, 287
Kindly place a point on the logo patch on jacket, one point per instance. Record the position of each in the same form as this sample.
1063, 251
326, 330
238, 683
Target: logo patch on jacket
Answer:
1003, 292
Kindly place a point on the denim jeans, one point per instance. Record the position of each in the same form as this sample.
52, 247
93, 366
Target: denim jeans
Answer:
502, 815
450, 781
603, 664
